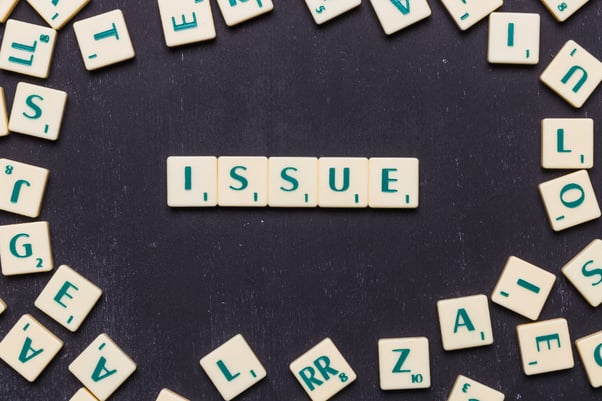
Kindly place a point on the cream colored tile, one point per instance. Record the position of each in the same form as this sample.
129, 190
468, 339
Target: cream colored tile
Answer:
37, 111
293, 182
394, 15
57, 13
466, 389
104, 40
233, 367
242, 181
590, 351
563, 9
27, 48
102, 367
585, 273
322, 371
191, 181
394, 183
168, 395
343, 182
237, 11
68, 298
29, 347
567, 143
6, 8
325, 10
465, 322
569, 200
3, 114
83, 395
404, 363
513, 38
466, 13
545, 346
186, 21
25, 248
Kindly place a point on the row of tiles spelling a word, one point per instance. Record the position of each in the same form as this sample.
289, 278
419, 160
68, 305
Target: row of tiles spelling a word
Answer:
352, 182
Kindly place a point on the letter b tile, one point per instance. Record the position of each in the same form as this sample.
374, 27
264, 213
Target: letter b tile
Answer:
322, 371
233, 367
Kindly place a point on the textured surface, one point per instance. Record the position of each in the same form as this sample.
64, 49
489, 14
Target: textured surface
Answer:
178, 283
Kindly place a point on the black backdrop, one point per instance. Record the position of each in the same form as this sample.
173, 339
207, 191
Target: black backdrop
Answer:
178, 283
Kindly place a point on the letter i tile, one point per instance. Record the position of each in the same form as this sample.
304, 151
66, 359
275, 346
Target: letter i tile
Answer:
29, 347
545, 346
573, 74
103, 40
68, 298
22, 186
523, 288
233, 367
25, 248
322, 371
102, 367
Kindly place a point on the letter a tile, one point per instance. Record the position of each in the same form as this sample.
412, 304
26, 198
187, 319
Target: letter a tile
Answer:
465, 322
322, 371
29, 347
102, 367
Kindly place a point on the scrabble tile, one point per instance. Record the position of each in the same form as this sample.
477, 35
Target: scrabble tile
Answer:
590, 351
83, 395
6, 7
68, 298
102, 367
394, 15
466, 389
242, 181
37, 111
545, 346
563, 9
168, 395
584, 271
569, 200
3, 306
191, 181
25, 248
233, 367
573, 74
293, 182
322, 371
394, 183
465, 322
237, 11
3, 114
186, 21
103, 40
513, 38
523, 288
27, 48
567, 143
343, 182
29, 347
466, 13
26, 185
404, 363
325, 10
57, 13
